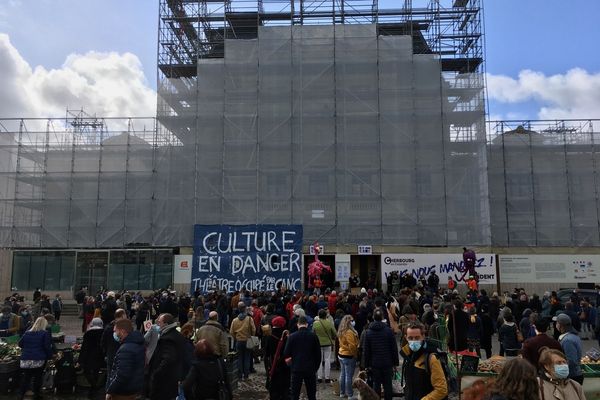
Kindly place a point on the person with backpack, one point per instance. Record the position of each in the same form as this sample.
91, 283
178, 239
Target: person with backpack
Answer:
422, 371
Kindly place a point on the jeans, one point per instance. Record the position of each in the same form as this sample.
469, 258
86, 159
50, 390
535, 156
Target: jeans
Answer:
325, 366
243, 359
310, 381
383, 376
347, 367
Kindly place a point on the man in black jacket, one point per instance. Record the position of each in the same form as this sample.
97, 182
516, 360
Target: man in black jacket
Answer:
108, 344
166, 365
305, 352
381, 354
126, 378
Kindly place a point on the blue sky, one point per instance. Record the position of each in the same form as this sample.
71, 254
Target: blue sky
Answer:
548, 37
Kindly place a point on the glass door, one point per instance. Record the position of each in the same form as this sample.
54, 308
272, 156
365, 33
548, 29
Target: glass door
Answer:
92, 267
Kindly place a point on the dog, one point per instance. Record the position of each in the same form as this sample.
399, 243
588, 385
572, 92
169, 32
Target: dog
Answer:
365, 392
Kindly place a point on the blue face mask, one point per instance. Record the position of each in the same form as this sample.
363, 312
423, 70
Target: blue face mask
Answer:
116, 337
561, 371
156, 328
415, 345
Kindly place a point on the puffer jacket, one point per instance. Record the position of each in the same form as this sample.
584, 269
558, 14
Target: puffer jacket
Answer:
127, 372
381, 350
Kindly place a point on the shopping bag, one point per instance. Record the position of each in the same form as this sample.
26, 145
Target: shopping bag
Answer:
397, 388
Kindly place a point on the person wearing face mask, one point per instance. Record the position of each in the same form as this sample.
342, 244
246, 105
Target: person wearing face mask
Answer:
126, 378
347, 354
554, 377
571, 345
109, 346
422, 371
26, 319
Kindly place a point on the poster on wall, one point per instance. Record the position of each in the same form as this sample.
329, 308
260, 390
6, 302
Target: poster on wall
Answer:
342, 267
247, 257
546, 268
182, 268
444, 265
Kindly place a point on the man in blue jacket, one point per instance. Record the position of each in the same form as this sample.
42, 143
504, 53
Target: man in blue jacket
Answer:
126, 379
571, 345
381, 354
304, 353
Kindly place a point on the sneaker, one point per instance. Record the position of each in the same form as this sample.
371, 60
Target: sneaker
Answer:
327, 380
319, 380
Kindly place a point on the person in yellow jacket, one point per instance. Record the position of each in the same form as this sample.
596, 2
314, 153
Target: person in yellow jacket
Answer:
422, 381
347, 354
242, 327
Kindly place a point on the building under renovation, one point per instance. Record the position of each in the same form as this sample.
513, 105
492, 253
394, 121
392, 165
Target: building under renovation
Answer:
364, 124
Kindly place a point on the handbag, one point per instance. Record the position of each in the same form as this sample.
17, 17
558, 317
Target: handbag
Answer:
519, 336
252, 343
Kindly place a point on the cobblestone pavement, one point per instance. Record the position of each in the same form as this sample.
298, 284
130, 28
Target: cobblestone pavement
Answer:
253, 388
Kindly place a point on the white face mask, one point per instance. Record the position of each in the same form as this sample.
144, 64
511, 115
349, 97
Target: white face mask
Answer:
353, 323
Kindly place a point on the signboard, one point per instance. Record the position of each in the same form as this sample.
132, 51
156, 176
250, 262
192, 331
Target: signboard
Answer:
342, 267
247, 257
311, 249
555, 268
444, 265
182, 269
365, 250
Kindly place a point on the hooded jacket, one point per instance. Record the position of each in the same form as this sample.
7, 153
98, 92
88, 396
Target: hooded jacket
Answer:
242, 327
127, 373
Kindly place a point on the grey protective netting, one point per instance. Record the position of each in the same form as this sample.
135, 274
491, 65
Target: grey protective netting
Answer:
543, 183
350, 134
333, 127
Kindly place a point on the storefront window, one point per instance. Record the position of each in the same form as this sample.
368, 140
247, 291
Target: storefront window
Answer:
140, 269
47, 270
146, 270
20, 275
52, 275
163, 273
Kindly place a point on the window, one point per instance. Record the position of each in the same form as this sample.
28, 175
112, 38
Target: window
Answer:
140, 269
48, 270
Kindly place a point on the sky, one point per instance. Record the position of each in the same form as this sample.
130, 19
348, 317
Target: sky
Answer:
542, 58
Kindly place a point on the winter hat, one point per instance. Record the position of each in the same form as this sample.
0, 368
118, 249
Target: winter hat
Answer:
278, 322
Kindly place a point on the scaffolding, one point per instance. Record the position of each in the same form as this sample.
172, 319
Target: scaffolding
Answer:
370, 118
544, 185
194, 29
78, 181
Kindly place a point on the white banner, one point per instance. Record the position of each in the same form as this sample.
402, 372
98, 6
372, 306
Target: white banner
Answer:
444, 265
342, 267
182, 269
546, 268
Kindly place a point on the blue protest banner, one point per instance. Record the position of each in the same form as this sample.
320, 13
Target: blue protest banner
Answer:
246, 257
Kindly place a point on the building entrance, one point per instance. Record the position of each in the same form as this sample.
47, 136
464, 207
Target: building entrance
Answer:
91, 271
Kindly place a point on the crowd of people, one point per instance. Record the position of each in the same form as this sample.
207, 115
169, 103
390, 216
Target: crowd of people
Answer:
165, 345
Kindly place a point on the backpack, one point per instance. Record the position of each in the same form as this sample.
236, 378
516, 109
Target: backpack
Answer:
443, 359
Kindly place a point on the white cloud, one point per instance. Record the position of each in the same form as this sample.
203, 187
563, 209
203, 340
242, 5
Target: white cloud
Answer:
575, 94
105, 84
